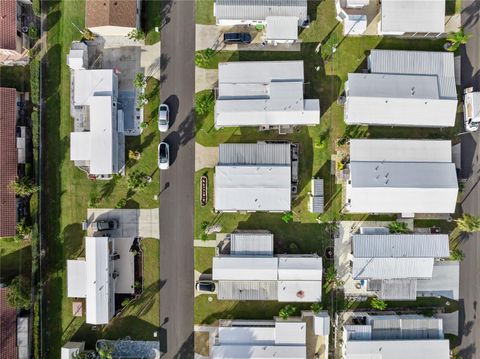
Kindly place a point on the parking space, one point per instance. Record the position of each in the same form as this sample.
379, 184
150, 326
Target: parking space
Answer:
132, 222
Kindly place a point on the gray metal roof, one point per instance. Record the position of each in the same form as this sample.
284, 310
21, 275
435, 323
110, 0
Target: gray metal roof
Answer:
251, 244
260, 153
406, 327
317, 187
392, 268
401, 245
247, 290
445, 281
398, 289
259, 9
316, 204
440, 64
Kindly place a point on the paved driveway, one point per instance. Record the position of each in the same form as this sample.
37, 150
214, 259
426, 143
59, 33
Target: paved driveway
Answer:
132, 222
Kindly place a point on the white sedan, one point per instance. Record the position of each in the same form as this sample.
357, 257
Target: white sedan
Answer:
163, 156
163, 117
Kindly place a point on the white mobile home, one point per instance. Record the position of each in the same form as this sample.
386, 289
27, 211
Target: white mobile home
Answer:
403, 88
263, 93
401, 176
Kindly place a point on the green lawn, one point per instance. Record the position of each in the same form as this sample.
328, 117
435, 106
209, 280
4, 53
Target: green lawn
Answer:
209, 312
151, 18
204, 12
139, 319
66, 189
203, 259
15, 258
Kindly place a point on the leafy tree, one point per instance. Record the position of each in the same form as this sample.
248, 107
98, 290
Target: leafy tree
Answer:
378, 304
468, 223
204, 103
136, 35
316, 307
457, 255
24, 187
455, 39
398, 227
134, 155
287, 311
287, 217
18, 294
137, 180
204, 237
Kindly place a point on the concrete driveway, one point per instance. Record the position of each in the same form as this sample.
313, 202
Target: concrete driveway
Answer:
211, 36
132, 222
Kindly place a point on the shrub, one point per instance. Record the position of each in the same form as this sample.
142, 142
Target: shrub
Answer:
468, 223
140, 81
24, 186
18, 294
287, 311
378, 304
121, 203
316, 307
287, 217
457, 255
23, 229
204, 57
35, 82
136, 35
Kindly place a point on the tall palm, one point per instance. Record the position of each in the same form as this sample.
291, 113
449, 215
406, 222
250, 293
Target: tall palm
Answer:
468, 223
456, 39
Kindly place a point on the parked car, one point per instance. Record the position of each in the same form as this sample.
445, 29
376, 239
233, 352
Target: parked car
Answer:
163, 156
163, 117
471, 109
237, 38
205, 286
100, 226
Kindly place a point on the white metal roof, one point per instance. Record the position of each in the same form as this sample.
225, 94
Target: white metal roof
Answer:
392, 268
244, 268
321, 323
439, 64
255, 93
261, 335
392, 176
282, 28
400, 150
80, 146
249, 10
397, 349
89, 83
398, 100
251, 244
413, 16
444, 282
252, 188
75, 59
401, 245
299, 291
76, 278
99, 287
300, 268
258, 351
290, 333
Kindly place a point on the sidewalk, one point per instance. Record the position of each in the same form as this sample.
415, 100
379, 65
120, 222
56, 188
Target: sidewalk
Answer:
205, 79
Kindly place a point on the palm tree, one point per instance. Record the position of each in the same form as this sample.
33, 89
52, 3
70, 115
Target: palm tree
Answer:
331, 280
468, 223
24, 187
398, 227
455, 39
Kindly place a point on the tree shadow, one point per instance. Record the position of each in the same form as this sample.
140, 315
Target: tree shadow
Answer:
52, 18
15, 263
73, 240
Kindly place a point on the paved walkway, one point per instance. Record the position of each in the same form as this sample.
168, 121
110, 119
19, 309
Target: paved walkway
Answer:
150, 60
205, 79
211, 36
205, 157
132, 222
204, 244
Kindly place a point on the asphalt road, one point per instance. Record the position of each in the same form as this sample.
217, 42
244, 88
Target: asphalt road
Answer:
469, 331
177, 183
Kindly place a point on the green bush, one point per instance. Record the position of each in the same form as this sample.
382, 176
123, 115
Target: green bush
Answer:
204, 57
378, 304
316, 307
35, 82
18, 294
287, 311
398, 227
36, 7
137, 180
204, 104
287, 217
